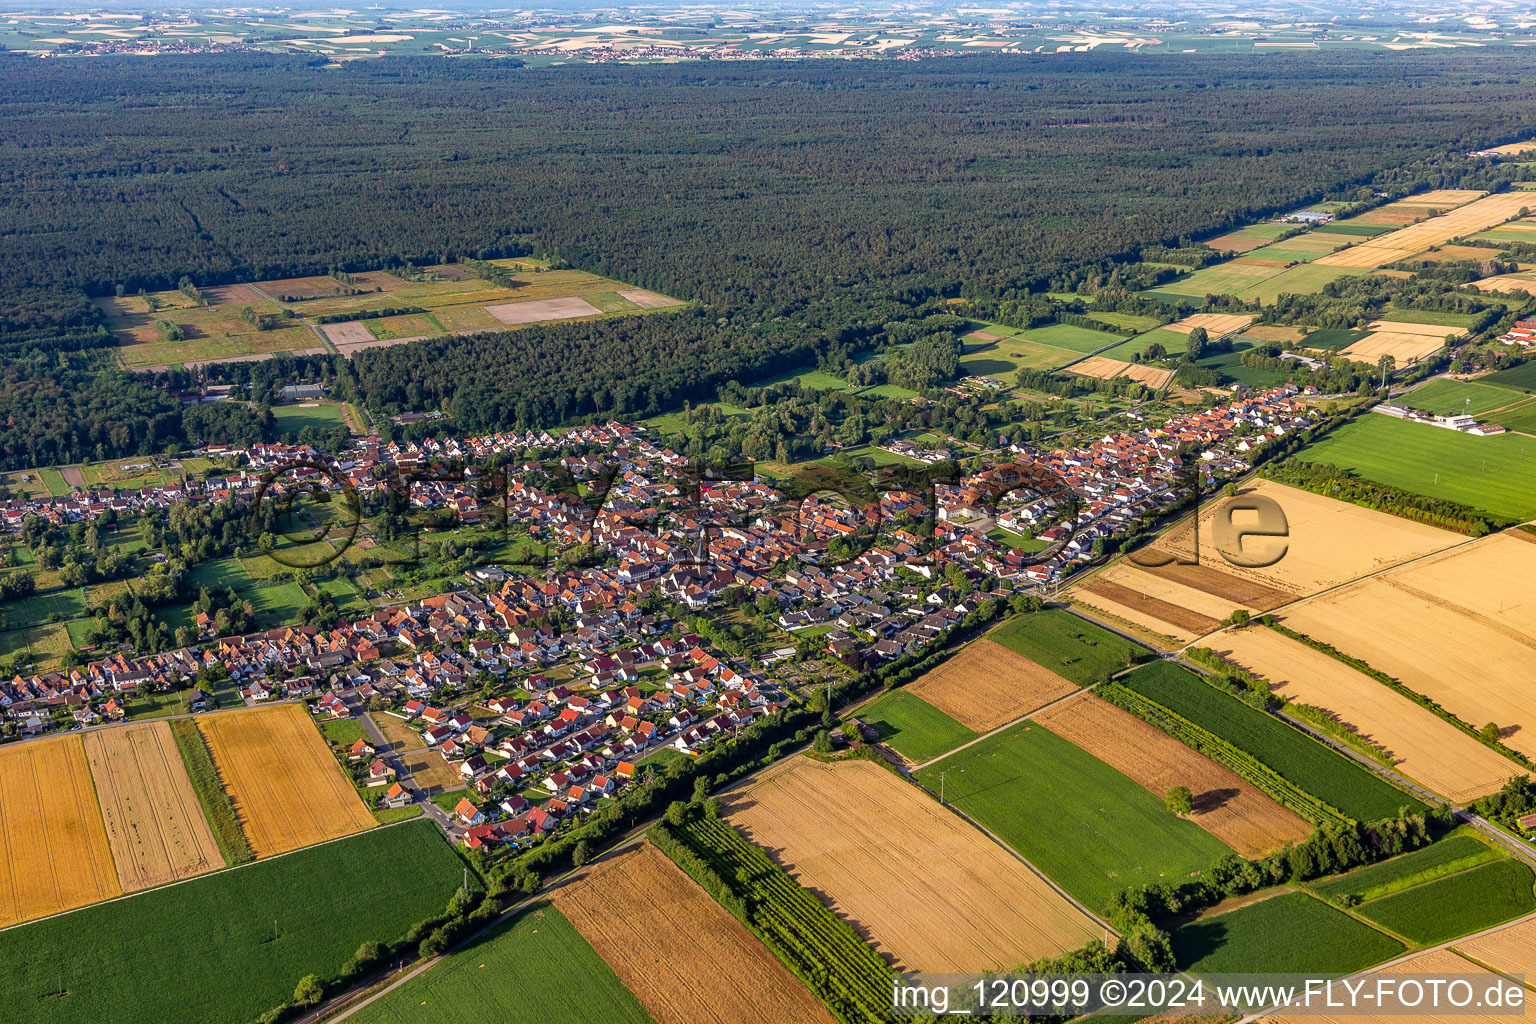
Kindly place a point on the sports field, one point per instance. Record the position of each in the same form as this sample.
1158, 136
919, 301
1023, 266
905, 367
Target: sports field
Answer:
1224, 805
1306, 762
986, 685
227, 947
1424, 747
1288, 932
154, 823
1067, 645
912, 727
1446, 397
56, 854
1455, 628
930, 891
697, 962
1091, 829
489, 981
1496, 474
286, 786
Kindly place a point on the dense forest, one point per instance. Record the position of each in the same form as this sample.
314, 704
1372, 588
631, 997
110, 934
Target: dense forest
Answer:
802, 206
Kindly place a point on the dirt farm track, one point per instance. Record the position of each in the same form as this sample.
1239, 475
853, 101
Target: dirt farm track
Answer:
286, 786
53, 849
930, 891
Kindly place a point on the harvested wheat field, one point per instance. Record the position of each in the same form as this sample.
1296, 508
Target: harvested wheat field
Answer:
286, 786
1404, 242
1217, 325
1525, 281
1237, 242
1440, 963
1225, 806
1406, 343
1331, 542
154, 822
1151, 376
1511, 949
1442, 197
693, 962
1274, 332
1161, 613
1427, 749
1458, 628
1098, 366
987, 685
53, 849
930, 892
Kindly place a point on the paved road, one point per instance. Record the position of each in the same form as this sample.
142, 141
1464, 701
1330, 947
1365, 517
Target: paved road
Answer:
393, 759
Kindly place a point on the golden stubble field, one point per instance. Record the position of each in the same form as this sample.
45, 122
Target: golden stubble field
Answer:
1440, 962
1415, 238
930, 892
1459, 628
286, 786
1405, 343
683, 955
1224, 805
53, 849
1511, 949
987, 685
153, 820
1427, 749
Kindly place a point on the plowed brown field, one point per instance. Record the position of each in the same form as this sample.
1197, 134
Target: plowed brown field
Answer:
53, 849
1225, 806
931, 892
286, 786
1156, 608
987, 685
683, 955
1457, 628
1427, 749
154, 823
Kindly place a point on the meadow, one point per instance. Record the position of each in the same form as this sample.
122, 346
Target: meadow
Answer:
1295, 755
1068, 645
1452, 854
224, 948
1495, 474
1091, 829
912, 727
1230, 365
1299, 280
489, 981
1457, 905
1173, 342
1289, 932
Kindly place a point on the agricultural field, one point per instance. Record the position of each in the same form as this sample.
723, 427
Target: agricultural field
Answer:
1439, 963
1224, 805
929, 891
912, 727
1067, 644
1405, 342
1289, 932
1105, 831
1230, 278
1173, 342
210, 332
1496, 474
154, 823
488, 982
1067, 336
1163, 607
428, 770
1448, 856
1424, 747
1511, 950
1329, 542
1229, 365
285, 784
1407, 241
57, 856
696, 962
986, 685
255, 930
1458, 904
1455, 628
1522, 281
1004, 358
1309, 764
1305, 279
1106, 369
1129, 321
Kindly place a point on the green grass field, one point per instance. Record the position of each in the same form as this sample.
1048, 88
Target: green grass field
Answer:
1131, 321
1067, 645
1449, 855
1457, 905
1003, 359
1231, 278
1077, 339
1230, 365
1430, 316
1087, 826
1346, 228
1173, 343
493, 981
208, 946
1496, 474
1306, 762
916, 729
1520, 378
1278, 251
1444, 397
1288, 933
323, 416
1332, 338
1303, 280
